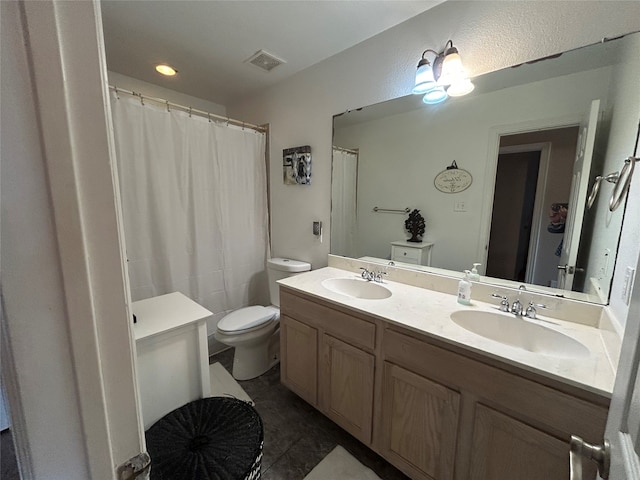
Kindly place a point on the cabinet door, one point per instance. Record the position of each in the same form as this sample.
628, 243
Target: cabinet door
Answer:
346, 386
419, 424
299, 358
505, 448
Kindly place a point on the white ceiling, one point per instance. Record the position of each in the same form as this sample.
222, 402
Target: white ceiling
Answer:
209, 41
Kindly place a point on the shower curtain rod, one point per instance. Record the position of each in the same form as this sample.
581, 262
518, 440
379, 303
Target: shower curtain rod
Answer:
348, 150
190, 110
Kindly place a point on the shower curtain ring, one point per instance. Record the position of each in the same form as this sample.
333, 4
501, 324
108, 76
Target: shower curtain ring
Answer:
115, 89
141, 99
209, 117
227, 121
189, 112
168, 106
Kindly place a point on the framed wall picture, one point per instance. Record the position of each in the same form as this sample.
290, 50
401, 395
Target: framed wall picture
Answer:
296, 163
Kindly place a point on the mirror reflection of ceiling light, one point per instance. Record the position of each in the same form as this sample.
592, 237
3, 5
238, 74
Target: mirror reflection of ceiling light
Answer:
445, 78
166, 70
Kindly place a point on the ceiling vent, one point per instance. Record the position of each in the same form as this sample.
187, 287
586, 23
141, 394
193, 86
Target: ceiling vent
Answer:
264, 60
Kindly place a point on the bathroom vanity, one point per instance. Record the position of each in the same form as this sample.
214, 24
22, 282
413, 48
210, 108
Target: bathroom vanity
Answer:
434, 399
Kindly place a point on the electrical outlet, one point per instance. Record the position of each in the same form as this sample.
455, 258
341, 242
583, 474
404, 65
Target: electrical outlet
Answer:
460, 206
627, 286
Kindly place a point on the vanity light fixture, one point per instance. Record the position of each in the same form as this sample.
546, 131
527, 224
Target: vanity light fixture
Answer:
166, 70
446, 77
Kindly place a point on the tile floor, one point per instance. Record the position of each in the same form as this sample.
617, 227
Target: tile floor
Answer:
296, 435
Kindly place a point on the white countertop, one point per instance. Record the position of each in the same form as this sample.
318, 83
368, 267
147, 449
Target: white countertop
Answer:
427, 312
165, 312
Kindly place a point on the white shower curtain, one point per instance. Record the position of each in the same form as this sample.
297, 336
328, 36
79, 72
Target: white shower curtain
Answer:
344, 180
194, 201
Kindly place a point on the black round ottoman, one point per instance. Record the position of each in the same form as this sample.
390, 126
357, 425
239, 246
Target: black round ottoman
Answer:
216, 438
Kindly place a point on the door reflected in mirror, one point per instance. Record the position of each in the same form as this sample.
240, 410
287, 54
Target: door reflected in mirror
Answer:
533, 137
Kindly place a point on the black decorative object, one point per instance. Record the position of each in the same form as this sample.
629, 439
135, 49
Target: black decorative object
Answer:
415, 225
216, 437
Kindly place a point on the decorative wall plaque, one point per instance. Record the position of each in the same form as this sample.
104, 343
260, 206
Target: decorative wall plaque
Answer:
296, 163
453, 179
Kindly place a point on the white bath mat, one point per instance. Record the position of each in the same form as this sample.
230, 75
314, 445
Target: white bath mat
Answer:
224, 385
340, 465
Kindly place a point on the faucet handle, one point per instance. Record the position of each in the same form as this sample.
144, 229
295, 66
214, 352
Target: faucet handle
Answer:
504, 302
378, 277
366, 274
531, 309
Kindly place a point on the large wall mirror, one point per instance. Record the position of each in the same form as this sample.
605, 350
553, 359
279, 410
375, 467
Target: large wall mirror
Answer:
533, 137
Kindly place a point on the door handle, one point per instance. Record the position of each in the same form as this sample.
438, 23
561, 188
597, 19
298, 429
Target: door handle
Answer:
567, 269
598, 453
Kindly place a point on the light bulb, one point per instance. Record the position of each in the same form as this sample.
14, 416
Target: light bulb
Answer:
452, 69
434, 96
424, 79
460, 88
166, 70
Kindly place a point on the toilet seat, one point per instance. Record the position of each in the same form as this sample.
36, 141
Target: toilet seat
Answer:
246, 319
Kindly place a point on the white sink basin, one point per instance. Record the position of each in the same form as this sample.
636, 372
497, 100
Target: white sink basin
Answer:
520, 333
357, 288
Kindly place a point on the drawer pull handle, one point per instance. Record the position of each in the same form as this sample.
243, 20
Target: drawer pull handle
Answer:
598, 453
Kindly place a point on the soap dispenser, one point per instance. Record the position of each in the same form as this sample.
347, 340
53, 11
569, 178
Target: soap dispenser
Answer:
474, 276
464, 289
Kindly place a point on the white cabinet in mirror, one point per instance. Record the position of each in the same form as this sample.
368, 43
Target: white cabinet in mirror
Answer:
519, 134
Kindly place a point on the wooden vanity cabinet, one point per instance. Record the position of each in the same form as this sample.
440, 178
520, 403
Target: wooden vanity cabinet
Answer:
419, 424
512, 423
346, 386
299, 358
506, 448
333, 365
434, 410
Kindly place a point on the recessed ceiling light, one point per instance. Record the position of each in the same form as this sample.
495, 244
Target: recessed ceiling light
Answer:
166, 70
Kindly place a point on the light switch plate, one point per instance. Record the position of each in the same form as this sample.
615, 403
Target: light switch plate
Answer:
460, 206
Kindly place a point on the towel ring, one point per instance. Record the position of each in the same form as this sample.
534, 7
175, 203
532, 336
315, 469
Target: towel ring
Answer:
623, 183
611, 178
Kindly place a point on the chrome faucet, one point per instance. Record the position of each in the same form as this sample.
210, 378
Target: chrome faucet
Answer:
378, 277
516, 308
504, 302
369, 275
531, 309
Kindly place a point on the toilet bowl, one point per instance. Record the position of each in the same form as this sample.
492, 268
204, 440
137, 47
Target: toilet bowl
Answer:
254, 331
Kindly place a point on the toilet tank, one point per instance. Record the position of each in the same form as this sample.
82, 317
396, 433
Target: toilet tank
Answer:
278, 268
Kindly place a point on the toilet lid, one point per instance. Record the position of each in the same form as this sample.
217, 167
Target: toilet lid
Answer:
246, 318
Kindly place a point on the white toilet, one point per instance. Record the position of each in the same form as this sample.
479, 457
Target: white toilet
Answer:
255, 331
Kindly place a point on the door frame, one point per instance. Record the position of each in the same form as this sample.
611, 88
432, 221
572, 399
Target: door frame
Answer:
541, 189
67, 68
493, 150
